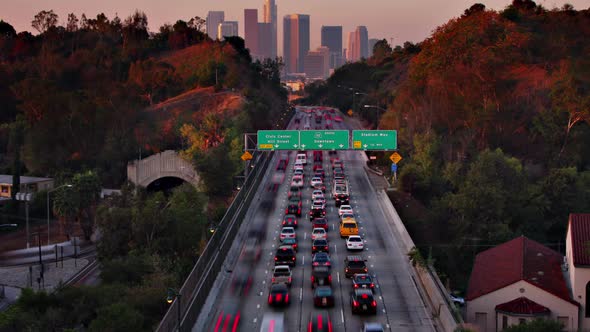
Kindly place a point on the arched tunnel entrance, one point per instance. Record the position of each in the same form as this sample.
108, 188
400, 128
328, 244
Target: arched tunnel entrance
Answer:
165, 184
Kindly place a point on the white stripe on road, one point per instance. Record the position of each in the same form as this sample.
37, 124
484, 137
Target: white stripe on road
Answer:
338, 275
300, 294
342, 315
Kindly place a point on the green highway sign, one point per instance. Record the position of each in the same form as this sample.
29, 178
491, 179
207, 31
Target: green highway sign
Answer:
323, 140
278, 140
374, 140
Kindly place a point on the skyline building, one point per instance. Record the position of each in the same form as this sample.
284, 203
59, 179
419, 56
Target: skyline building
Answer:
251, 31
332, 39
351, 49
227, 29
214, 17
270, 16
295, 42
362, 40
317, 63
264, 41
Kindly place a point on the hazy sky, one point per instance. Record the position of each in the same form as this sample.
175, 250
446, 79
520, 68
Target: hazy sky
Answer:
402, 20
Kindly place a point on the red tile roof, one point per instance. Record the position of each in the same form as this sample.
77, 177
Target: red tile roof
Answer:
515, 260
579, 225
523, 306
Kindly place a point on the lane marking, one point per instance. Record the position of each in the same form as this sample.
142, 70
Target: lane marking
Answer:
338, 275
301, 294
303, 263
342, 315
254, 320
257, 307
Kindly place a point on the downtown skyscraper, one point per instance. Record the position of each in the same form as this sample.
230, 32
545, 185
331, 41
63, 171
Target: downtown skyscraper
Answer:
214, 18
332, 39
251, 30
295, 42
270, 16
358, 44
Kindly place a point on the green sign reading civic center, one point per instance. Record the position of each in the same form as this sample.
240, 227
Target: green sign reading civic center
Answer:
374, 140
278, 140
323, 140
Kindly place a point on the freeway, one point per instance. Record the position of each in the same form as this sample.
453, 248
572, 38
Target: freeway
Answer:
239, 299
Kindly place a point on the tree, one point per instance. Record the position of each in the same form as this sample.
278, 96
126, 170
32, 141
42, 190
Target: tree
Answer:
17, 132
72, 25
476, 8
44, 21
88, 186
197, 23
537, 325
6, 30
117, 317
381, 50
66, 205
153, 78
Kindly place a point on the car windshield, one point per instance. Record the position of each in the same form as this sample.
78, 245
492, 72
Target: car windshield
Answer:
354, 239
319, 231
320, 258
356, 264
323, 291
320, 242
349, 225
288, 230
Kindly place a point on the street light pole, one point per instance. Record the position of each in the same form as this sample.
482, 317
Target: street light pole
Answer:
49, 192
172, 293
377, 107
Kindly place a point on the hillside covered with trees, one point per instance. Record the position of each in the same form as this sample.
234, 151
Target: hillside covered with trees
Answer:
493, 115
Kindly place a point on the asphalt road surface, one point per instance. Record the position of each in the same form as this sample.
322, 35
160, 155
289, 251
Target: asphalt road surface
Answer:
399, 305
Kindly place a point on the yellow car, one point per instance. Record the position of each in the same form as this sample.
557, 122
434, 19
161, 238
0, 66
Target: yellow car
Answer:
348, 227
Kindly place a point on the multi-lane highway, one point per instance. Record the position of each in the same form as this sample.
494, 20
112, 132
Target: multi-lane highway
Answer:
239, 302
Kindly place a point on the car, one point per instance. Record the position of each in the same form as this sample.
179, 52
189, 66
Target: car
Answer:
297, 120
290, 241
316, 181
323, 296
287, 232
347, 216
298, 166
319, 171
278, 295
363, 301
302, 156
318, 167
363, 280
341, 198
319, 233
320, 186
318, 212
321, 259
354, 242
320, 223
241, 282
297, 181
354, 265
290, 220
344, 208
316, 193
457, 300
251, 250
282, 274
282, 164
320, 201
285, 255
337, 163
318, 245
294, 191
318, 156
338, 170
348, 227
229, 316
339, 176
299, 173
372, 327
320, 276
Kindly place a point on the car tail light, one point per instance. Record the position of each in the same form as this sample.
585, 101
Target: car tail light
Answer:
366, 270
312, 279
356, 286
287, 299
295, 222
269, 299
372, 285
316, 264
289, 279
330, 278
276, 259
344, 269
374, 303
365, 296
313, 248
309, 327
279, 297
273, 279
355, 303
329, 326
284, 222
293, 258
287, 210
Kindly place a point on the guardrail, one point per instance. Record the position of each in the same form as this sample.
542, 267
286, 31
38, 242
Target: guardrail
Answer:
196, 288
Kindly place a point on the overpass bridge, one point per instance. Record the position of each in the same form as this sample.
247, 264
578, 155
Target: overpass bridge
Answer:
168, 163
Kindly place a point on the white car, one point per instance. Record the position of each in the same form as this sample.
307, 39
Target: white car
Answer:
297, 181
319, 233
354, 242
299, 172
302, 156
344, 209
319, 204
316, 180
287, 232
298, 166
317, 194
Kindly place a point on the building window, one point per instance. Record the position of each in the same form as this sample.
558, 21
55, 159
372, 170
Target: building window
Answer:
504, 322
4, 189
521, 321
587, 313
564, 320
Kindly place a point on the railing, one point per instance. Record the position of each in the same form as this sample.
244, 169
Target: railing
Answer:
196, 288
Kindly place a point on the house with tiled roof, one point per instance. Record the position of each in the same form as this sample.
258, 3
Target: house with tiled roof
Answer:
518, 281
577, 253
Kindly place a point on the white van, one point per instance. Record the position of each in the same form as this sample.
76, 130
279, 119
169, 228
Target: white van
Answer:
301, 156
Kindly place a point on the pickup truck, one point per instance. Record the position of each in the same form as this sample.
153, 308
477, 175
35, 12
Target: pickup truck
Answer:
282, 274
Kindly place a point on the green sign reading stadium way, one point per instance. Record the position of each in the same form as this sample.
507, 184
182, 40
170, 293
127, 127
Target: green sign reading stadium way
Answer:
323, 140
278, 140
374, 140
